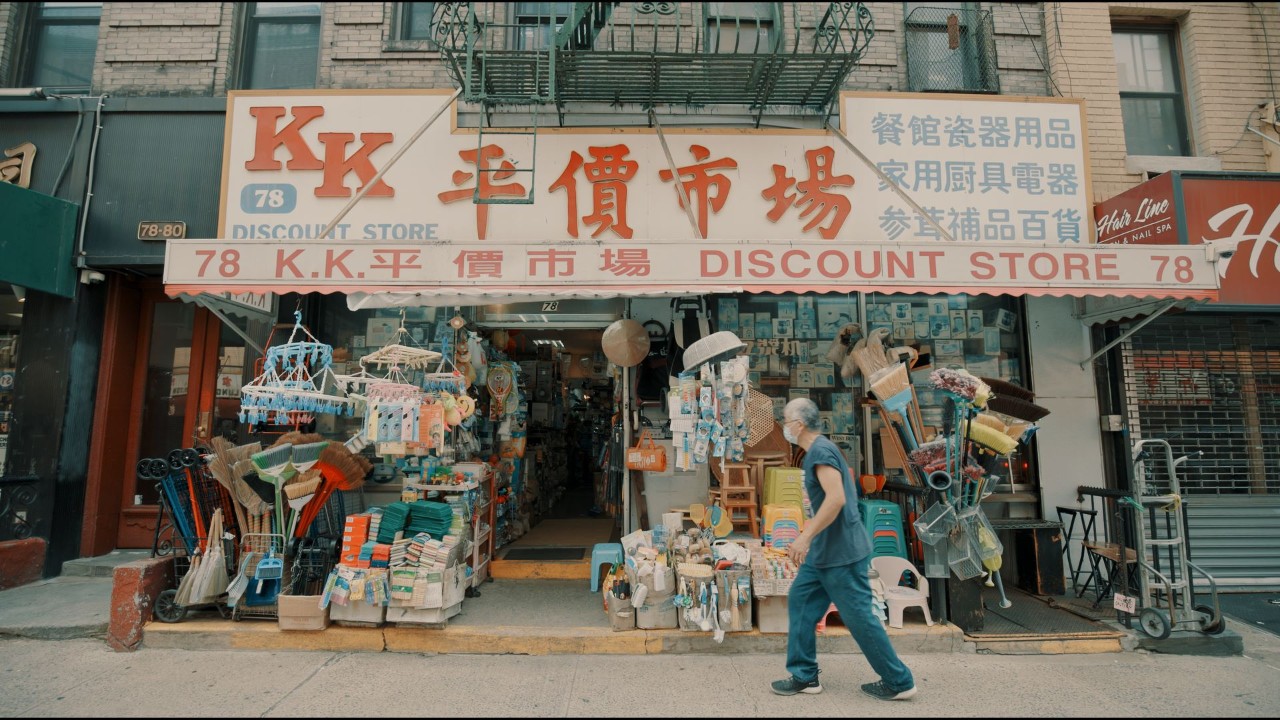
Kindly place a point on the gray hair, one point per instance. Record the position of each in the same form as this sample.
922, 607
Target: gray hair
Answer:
806, 411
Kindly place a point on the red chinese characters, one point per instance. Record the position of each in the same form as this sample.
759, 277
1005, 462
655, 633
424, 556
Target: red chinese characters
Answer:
485, 187
559, 263
479, 263
814, 197
710, 191
395, 260
608, 174
626, 262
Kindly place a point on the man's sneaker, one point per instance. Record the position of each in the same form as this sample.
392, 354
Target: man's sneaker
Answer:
880, 691
791, 686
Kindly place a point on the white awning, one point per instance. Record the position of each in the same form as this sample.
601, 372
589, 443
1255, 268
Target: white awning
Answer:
1106, 310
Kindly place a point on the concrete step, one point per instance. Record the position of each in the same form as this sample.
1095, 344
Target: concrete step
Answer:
102, 565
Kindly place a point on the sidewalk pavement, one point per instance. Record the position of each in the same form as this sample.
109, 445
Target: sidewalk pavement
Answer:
78, 605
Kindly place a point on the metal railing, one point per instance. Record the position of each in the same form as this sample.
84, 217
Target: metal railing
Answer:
796, 54
26, 507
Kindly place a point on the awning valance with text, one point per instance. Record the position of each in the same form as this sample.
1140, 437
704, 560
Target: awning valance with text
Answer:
450, 273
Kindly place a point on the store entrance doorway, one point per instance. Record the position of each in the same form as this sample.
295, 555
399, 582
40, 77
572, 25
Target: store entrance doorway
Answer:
573, 496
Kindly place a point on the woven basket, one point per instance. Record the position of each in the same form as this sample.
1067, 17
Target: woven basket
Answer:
760, 419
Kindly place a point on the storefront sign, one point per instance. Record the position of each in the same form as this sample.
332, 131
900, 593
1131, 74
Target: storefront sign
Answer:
1244, 215
1143, 214
16, 168
1230, 211
987, 169
1001, 170
230, 265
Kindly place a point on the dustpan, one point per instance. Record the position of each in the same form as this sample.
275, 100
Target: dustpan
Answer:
268, 574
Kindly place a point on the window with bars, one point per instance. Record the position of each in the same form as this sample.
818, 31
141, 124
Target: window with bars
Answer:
538, 22
1151, 101
1211, 383
415, 20
281, 46
742, 27
950, 48
62, 45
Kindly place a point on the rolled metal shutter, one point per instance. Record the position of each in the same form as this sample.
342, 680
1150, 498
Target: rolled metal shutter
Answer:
1211, 382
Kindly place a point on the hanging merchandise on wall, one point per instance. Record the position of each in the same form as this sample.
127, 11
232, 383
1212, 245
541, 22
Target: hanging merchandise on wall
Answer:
689, 324
714, 390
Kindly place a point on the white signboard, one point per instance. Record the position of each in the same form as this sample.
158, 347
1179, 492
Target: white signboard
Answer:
987, 169
990, 170
228, 265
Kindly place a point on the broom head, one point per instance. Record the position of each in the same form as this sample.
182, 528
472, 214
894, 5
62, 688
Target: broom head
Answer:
890, 381
1017, 408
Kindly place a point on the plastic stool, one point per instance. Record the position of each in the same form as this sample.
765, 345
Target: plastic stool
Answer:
601, 554
822, 624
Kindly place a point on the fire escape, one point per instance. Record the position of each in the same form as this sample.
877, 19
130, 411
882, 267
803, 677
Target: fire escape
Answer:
694, 54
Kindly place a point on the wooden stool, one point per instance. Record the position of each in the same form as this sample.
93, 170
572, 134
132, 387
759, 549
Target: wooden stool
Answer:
760, 464
737, 493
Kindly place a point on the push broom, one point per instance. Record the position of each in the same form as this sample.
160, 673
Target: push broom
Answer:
274, 465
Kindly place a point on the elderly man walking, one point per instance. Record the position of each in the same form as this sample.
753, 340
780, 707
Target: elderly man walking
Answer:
833, 553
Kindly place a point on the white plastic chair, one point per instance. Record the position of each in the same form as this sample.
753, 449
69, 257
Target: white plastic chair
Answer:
898, 597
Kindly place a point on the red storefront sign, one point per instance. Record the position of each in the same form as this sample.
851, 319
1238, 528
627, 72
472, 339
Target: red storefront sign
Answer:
1143, 214
1246, 214
1239, 212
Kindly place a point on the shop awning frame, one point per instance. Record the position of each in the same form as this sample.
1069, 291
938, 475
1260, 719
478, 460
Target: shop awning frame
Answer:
1160, 309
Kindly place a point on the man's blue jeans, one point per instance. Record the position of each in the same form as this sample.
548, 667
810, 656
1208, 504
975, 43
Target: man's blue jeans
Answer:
812, 593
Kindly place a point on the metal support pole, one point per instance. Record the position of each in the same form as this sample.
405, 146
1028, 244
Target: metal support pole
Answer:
892, 185
369, 185
675, 175
203, 302
1125, 335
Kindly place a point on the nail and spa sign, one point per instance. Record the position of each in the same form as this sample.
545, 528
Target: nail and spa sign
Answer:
1006, 179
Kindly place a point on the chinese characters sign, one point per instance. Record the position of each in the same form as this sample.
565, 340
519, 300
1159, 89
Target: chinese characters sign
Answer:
985, 170
1002, 171
484, 266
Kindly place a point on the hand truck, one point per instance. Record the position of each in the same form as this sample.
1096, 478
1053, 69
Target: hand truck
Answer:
1165, 587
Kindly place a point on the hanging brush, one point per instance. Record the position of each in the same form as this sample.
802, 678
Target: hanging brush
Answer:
1014, 400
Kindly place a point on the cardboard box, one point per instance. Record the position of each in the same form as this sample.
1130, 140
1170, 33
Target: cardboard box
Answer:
301, 612
358, 613
771, 614
422, 616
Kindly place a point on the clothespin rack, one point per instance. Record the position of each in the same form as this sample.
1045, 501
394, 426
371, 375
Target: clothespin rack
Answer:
293, 381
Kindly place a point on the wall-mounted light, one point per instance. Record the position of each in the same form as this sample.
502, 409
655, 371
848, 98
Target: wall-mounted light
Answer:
20, 293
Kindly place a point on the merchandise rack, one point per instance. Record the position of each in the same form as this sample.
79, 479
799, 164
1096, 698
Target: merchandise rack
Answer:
482, 524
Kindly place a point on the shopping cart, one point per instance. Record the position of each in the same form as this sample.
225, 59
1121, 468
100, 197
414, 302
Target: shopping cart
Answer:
259, 577
167, 608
